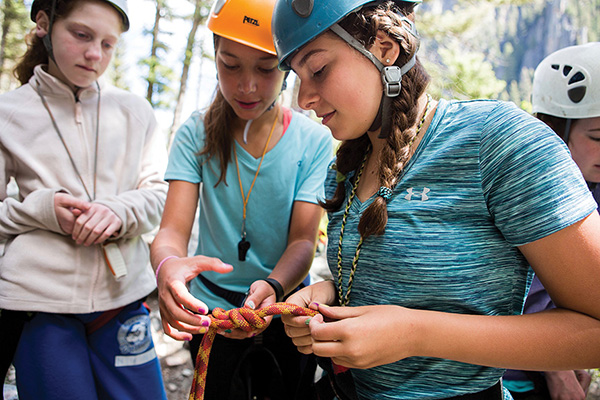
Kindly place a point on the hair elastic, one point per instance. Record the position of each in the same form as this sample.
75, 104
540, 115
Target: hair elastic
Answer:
385, 192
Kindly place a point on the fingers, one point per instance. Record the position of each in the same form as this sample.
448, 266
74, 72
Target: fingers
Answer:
176, 316
95, 225
260, 295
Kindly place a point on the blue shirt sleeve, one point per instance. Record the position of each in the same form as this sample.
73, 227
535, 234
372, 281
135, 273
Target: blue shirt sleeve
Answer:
533, 188
185, 164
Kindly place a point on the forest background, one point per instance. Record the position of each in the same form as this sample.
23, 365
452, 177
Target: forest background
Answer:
472, 49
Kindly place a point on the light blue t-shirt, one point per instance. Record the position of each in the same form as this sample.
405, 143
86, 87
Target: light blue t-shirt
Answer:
485, 179
294, 170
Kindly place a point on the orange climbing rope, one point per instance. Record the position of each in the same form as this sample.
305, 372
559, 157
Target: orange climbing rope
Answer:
243, 318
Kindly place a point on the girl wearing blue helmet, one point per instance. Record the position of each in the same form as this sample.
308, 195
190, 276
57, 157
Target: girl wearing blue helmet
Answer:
439, 211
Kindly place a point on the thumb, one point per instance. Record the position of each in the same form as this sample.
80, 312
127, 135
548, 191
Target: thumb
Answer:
203, 263
337, 313
75, 203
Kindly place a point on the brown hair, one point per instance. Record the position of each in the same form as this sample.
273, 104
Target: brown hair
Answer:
36, 51
364, 25
557, 124
218, 130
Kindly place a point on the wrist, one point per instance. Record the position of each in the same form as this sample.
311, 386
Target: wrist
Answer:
160, 264
279, 293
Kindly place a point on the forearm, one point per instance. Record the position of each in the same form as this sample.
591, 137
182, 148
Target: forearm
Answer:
36, 211
551, 340
167, 244
294, 264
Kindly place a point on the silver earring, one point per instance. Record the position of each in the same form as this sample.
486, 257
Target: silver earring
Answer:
387, 60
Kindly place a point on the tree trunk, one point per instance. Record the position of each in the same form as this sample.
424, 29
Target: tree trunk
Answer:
187, 60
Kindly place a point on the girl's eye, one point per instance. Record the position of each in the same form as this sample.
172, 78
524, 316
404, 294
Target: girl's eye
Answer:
319, 73
227, 66
267, 70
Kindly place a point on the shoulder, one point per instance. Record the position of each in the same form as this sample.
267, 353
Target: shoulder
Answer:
191, 133
126, 99
18, 104
307, 125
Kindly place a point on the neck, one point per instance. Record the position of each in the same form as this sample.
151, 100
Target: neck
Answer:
259, 128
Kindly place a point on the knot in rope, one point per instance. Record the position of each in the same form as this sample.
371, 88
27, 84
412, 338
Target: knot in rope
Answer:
246, 319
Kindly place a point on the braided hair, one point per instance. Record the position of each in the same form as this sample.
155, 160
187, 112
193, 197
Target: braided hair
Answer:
363, 25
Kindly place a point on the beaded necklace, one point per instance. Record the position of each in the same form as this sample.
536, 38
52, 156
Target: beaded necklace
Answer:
345, 298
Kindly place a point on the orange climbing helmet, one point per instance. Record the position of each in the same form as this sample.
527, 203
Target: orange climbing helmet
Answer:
243, 21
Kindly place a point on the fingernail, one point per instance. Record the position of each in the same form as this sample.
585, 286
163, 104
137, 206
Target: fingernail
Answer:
228, 331
187, 339
203, 330
202, 310
254, 334
251, 304
205, 323
307, 321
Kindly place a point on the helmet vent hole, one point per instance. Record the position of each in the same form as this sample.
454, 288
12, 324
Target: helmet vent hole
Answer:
566, 70
555, 67
578, 77
577, 94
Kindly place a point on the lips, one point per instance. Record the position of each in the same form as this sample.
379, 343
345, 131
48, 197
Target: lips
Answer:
89, 69
326, 117
247, 105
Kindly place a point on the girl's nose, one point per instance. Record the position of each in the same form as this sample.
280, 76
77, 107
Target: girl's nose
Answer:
307, 96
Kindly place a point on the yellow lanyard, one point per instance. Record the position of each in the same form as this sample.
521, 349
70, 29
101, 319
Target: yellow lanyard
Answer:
244, 245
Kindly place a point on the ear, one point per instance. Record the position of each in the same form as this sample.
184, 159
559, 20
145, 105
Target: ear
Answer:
42, 24
385, 48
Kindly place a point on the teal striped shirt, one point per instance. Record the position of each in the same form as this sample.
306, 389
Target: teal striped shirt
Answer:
486, 178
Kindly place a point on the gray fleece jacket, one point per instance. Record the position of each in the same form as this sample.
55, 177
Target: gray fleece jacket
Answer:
42, 268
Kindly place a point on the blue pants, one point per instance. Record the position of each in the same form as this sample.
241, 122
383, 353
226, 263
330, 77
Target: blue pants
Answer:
57, 359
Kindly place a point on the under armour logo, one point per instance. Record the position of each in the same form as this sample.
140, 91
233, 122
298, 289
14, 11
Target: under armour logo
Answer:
250, 21
412, 193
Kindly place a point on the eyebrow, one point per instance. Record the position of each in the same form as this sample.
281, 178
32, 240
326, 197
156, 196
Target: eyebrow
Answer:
267, 57
308, 55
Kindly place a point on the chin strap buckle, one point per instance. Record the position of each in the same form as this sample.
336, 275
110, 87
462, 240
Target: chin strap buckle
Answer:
391, 78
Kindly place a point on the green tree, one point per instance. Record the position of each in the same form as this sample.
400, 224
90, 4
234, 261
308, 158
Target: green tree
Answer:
201, 11
159, 74
14, 25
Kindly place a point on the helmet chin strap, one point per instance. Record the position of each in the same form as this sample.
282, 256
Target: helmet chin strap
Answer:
391, 77
47, 40
249, 122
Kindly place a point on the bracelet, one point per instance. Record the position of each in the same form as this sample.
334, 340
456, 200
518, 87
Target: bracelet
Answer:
276, 287
160, 264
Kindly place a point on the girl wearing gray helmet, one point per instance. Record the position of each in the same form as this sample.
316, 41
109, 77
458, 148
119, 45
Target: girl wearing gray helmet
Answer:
88, 165
437, 212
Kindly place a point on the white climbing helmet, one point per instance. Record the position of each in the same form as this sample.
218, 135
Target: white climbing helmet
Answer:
566, 84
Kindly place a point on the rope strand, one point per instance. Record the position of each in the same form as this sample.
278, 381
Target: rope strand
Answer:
242, 318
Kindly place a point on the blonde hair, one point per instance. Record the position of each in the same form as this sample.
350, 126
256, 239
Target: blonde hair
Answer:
363, 25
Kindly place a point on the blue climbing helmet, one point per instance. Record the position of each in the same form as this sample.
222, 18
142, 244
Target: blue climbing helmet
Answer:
297, 22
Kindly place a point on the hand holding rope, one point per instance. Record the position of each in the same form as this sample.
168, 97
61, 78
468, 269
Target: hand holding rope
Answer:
246, 319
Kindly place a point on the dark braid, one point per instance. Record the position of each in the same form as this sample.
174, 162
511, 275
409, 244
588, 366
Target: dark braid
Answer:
364, 26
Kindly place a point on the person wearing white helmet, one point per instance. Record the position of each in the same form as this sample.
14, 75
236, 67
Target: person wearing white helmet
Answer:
438, 211
255, 169
566, 96
88, 163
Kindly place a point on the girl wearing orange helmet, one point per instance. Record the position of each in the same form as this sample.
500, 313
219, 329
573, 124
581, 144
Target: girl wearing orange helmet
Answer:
255, 169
